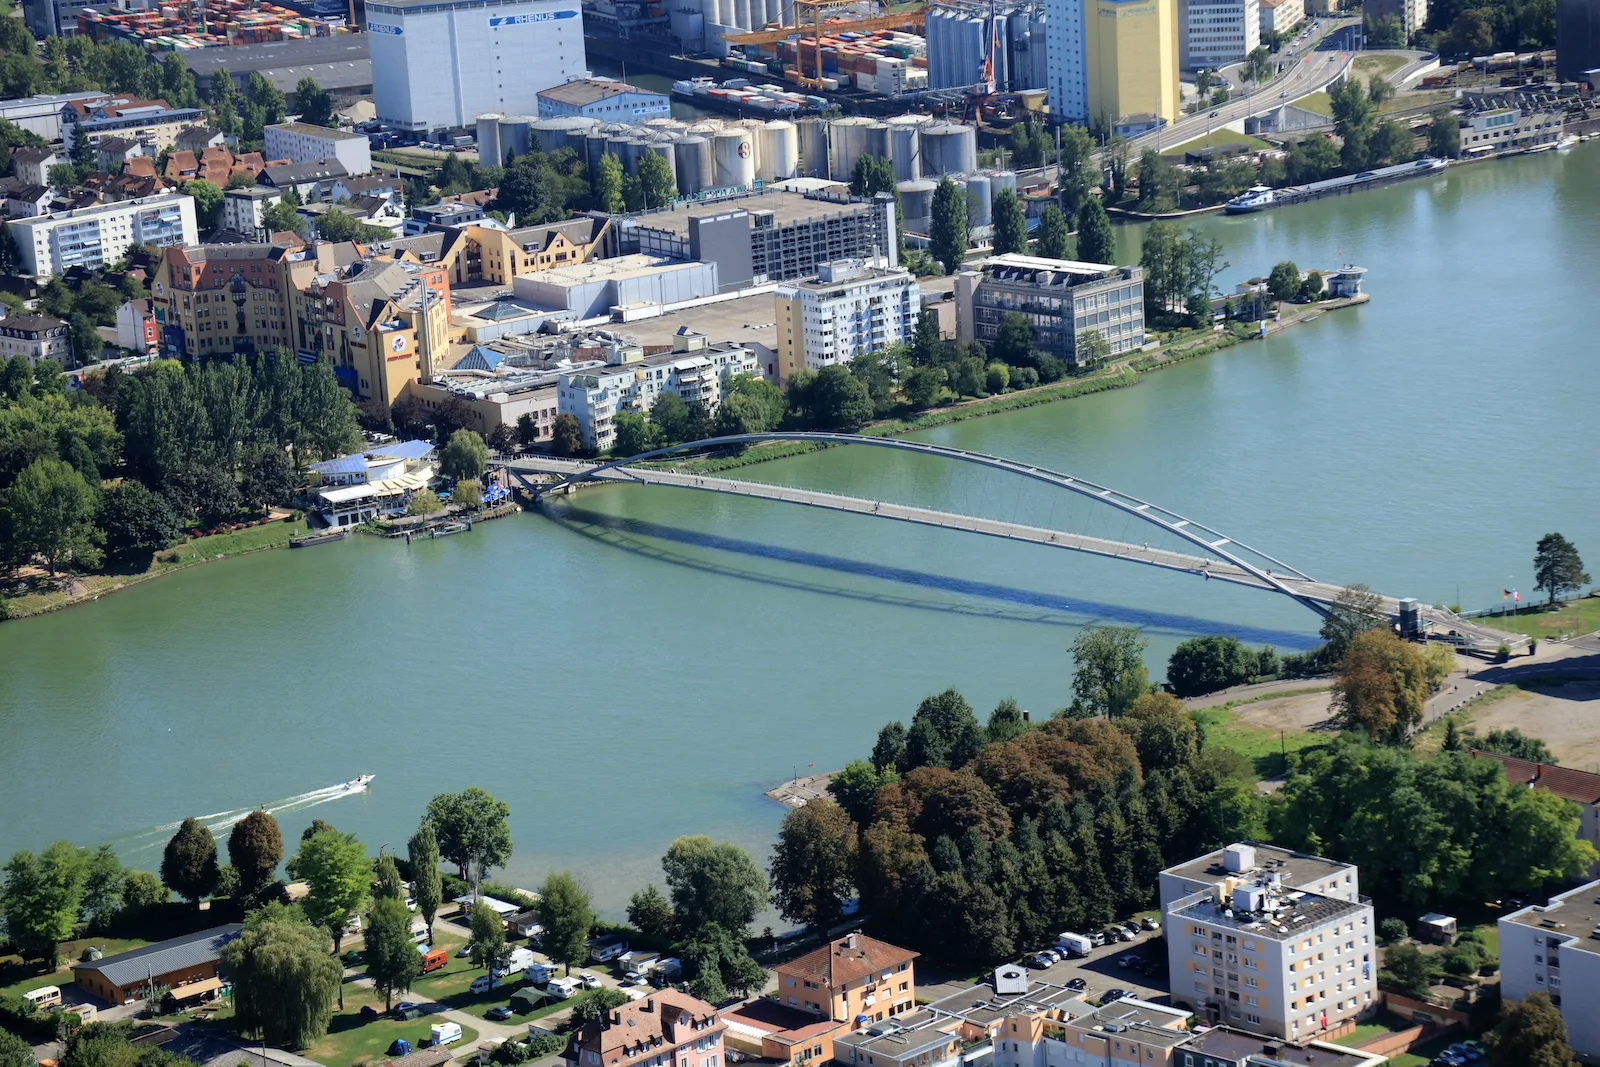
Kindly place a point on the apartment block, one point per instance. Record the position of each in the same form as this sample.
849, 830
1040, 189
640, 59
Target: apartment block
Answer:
94, 236
1219, 32
1411, 14
150, 123
214, 301
629, 380
34, 337
1272, 942
1281, 16
1554, 948
244, 211
301, 142
846, 310
850, 978
1061, 299
665, 1029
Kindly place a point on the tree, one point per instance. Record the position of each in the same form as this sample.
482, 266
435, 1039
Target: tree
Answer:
1557, 568
425, 502
488, 936
336, 868
948, 235
650, 912
608, 185
707, 986
1013, 343
1355, 610
386, 882
594, 1006
189, 864
284, 217
1513, 742
141, 890
1406, 970
255, 848
83, 338
284, 981
712, 882
1090, 348
1284, 281
1391, 142
813, 864
1258, 65
635, 434
527, 431
1444, 135
466, 457
855, 789
944, 733
316, 105
889, 752
997, 377
426, 885
135, 520
1097, 241
1162, 731
1010, 223
921, 387
1051, 238
655, 178
838, 400
339, 225
567, 916
1108, 670
392, 960
15, 1052
1531, 1033
722, 953
566, 436
1207, 664
40, 900
670, 416
468, 494
207, 202
1159, 184
1381, 686
103, 881
269, 478
472, 831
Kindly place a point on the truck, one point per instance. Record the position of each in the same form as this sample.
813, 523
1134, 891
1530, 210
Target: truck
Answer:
1076, 944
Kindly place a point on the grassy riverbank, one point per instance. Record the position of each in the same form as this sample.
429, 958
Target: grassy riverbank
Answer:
46, 594
1568, 619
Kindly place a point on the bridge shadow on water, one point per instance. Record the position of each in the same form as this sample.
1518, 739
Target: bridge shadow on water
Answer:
1047, 608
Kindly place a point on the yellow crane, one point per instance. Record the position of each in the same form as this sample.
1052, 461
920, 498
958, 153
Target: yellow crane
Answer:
915, 19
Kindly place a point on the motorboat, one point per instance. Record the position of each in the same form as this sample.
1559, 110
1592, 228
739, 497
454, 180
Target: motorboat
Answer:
1256, 198
322, 538
450, 528
360, 781
1566, 142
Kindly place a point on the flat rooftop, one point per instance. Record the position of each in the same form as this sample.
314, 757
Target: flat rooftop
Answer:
306, 129
1300, 912
786, 209
582, 91
603, 270
1235, 1045
244, 58
903, 1037
1574, 914
1297, 868
1078, 270
749, 320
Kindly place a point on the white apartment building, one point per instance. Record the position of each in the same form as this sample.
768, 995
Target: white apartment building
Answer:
301, 142
631, 381
846, 309
1215, 33
1272, 941
1281, 16
1554, 948
94, 236
34, 337
441, 63
244, 211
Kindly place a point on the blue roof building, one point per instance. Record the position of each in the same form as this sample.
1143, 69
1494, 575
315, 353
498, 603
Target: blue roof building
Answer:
608, 101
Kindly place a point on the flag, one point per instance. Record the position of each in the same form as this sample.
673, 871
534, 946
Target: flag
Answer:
1516, 597
1504, 593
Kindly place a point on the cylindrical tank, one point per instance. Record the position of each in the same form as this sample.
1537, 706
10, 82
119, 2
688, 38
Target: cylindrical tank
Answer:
741, 14
948, 148
516, 135
878, 140
847, 142
704, 128
735, 153
1002, 180
489, 152
695, 167
594, 146
577, 140
916, 200
668, 151
632, 152
551, 135
905, 151
980, 208
813, 148
669, 125
779, 152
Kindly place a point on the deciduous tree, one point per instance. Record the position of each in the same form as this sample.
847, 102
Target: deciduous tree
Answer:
567, 916
608, 185
813, 864
838, 400
566, 436
472, 831
650, 912
284, 981
1381, 686
855, 789
336, 868
948, 237
255, 848
392, 959
488, 936
594, 1006
189, 864
1355, 610
103, 881
40, 900
1108, 670
426, 885
135, 520
1207, 664
1097, 241
1010, 223
50, 511
1531, 1033
712, 882
1052, 237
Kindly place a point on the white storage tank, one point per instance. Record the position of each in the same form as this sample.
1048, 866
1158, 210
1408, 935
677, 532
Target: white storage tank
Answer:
980, 205
948, 148
489, 151
905, 146
735, 153
694, 164
779, 152
847, 142
878, 140
516, 135
916, 200
813, 148
552, 135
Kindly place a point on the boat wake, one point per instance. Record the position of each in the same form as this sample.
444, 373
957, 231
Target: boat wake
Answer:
221, 823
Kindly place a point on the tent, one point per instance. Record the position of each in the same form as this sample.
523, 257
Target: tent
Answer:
526, 1000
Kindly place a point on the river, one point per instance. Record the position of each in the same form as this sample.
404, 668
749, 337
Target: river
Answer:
644, 662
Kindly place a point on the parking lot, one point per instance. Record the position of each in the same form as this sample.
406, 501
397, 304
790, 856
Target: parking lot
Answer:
1101, 974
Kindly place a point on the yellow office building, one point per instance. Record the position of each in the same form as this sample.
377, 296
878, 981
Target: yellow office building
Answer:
1132, 52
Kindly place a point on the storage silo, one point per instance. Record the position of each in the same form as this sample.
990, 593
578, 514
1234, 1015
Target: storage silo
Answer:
741, 13
916, 201
778, 152
552, 135
980, 207
516, 136
948, 148
813, 148
847, 142
905, 146
489, 151
667, 150
878, 140
1001, 180
694, 164
938, 30
594, 146
734, 150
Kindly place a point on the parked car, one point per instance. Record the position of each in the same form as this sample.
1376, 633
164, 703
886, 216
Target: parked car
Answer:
1077, 984
499, 1014
1098, 938
1461, 1048
1150, 923
483, 984
1038, 961
464, 951
1113, 995
589, 981
1128, 959
1129, 931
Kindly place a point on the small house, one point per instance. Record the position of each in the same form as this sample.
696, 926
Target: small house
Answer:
1437, 929
178, 963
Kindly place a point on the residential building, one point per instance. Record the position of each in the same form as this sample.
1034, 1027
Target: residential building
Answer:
847, 309
630, 380
389, 187
33, 165
1322, 8
1504, 129
438, 64
94, 236
1578, 40
766, 1030
175, 964
196, 139
111, 153
1222, 1046
849, 978
136, 327
28, 201
1061, 299
1281, 16
152, 123
603, 99
310, 181
1131, 58
301, 142
244, 211
1251, 944
473, 254
42, 114
486, 403
35, 337
1125, 1032
1551, 948
218, 300
1216, 33
1580, 787
664, 1029
1411, 14
377, 483
622, 288
434, 215
768, 237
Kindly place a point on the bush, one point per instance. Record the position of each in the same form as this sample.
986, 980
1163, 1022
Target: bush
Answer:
1392, 930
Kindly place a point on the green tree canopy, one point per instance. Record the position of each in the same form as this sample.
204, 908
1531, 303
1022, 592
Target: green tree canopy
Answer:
488, 936
813, 864
335, 867
1097, 240
1557, 567
392, 960
1206, 664
838, 400
948, 238
1010, 223
426, 885
1108, 670
855, 789
1531, 1033
49, 511
255, 848
316, 105
472, 830
189, 863
567, 917
1052, 237
650, 912
592, 1008
713, 882
40, 900
465, 457
284, 981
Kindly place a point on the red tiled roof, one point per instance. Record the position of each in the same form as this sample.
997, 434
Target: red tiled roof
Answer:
663, 1020
851, 957
1582, 787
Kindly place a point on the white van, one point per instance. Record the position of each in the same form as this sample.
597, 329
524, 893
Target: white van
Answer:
444, 1033
45, 998
484, 983
562, 988
1076, 944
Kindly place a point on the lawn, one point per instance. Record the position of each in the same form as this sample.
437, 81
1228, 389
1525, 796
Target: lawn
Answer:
1381, 1026
1424, 1054
1376, 66
1317, 103
1218, 139
351, 1039
15, 979
1573, 617
1264, 748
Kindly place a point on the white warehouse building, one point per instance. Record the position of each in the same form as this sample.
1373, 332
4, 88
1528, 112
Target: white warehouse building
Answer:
440, 63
